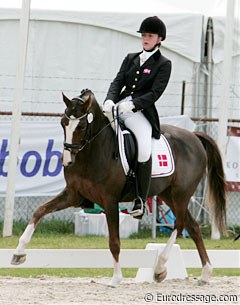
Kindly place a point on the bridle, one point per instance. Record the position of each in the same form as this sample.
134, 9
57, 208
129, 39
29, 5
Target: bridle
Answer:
75, 119
87, 139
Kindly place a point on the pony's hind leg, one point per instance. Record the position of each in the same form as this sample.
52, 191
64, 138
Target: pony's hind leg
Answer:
195, 233
160, 271
180, 212
57, 203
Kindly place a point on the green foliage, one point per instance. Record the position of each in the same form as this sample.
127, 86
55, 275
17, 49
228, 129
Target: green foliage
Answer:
65, 272
57, 226
60, 234
94, 272
216, 272
45, 227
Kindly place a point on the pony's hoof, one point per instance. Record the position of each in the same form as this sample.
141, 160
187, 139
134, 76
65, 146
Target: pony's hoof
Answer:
159, 277
18, 259
202, 282
115, 281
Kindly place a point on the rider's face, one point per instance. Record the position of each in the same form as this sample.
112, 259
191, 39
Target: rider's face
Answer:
150, 40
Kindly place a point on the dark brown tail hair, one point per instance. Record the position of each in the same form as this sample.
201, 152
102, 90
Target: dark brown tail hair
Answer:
216, 180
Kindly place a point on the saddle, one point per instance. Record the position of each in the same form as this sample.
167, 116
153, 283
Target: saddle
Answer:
162, 158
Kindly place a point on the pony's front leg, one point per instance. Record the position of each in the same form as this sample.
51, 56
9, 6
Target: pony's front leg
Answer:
57, 203
19, 255
112, 216
160, 271
117, 274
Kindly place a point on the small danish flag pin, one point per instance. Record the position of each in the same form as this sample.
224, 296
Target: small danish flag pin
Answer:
146, 71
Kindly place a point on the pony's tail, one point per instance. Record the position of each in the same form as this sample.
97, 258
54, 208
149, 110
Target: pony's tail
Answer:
217, 187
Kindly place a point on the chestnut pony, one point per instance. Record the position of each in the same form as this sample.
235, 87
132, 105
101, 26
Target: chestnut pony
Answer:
92, 174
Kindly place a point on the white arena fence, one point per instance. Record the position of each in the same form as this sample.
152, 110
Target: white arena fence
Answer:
102, 258
145, 260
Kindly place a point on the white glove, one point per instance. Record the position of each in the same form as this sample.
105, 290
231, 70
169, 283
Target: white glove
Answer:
125, 107
108, 105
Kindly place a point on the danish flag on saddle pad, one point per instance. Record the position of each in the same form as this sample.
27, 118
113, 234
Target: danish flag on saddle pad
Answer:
162, 158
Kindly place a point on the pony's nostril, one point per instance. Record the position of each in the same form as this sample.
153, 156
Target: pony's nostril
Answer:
67, 164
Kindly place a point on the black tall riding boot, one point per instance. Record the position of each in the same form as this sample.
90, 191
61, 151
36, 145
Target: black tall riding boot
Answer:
144, 170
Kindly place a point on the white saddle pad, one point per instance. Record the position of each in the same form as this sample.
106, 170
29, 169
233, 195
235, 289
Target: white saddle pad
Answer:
162, 158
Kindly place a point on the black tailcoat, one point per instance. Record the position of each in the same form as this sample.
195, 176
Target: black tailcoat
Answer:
144, 83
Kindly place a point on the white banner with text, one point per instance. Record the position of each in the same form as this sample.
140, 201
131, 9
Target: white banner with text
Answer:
40, 171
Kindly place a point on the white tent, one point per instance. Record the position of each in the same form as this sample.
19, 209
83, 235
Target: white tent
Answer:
78, 44
72, 50
204, 7
218, 57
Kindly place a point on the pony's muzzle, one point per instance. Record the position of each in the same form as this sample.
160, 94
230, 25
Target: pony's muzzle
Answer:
67, 158
67, 164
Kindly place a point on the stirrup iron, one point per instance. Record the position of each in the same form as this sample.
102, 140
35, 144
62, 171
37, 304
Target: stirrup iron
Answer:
139, 212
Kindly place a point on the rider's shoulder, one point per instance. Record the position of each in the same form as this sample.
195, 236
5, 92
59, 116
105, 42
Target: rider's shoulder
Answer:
133, 55
164, 58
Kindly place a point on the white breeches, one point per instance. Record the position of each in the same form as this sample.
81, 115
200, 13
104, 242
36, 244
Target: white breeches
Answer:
142, 129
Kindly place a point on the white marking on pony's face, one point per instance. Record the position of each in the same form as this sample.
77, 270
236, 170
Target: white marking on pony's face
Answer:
69, 130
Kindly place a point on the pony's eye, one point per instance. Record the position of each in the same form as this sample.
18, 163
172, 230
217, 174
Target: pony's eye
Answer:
81, 127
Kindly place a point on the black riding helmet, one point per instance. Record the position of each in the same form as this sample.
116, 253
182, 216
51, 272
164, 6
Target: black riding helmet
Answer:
153, 25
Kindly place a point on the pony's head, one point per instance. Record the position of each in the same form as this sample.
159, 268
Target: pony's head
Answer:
77, 124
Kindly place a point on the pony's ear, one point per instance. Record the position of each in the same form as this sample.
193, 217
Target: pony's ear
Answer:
88, 103
66, 100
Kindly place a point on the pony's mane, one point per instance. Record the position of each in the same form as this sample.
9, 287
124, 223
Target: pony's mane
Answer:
86, 93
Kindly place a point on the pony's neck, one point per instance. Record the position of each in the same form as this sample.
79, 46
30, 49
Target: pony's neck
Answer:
101, 131
95, 160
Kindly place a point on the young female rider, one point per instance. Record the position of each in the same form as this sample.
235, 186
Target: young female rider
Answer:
139, 83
